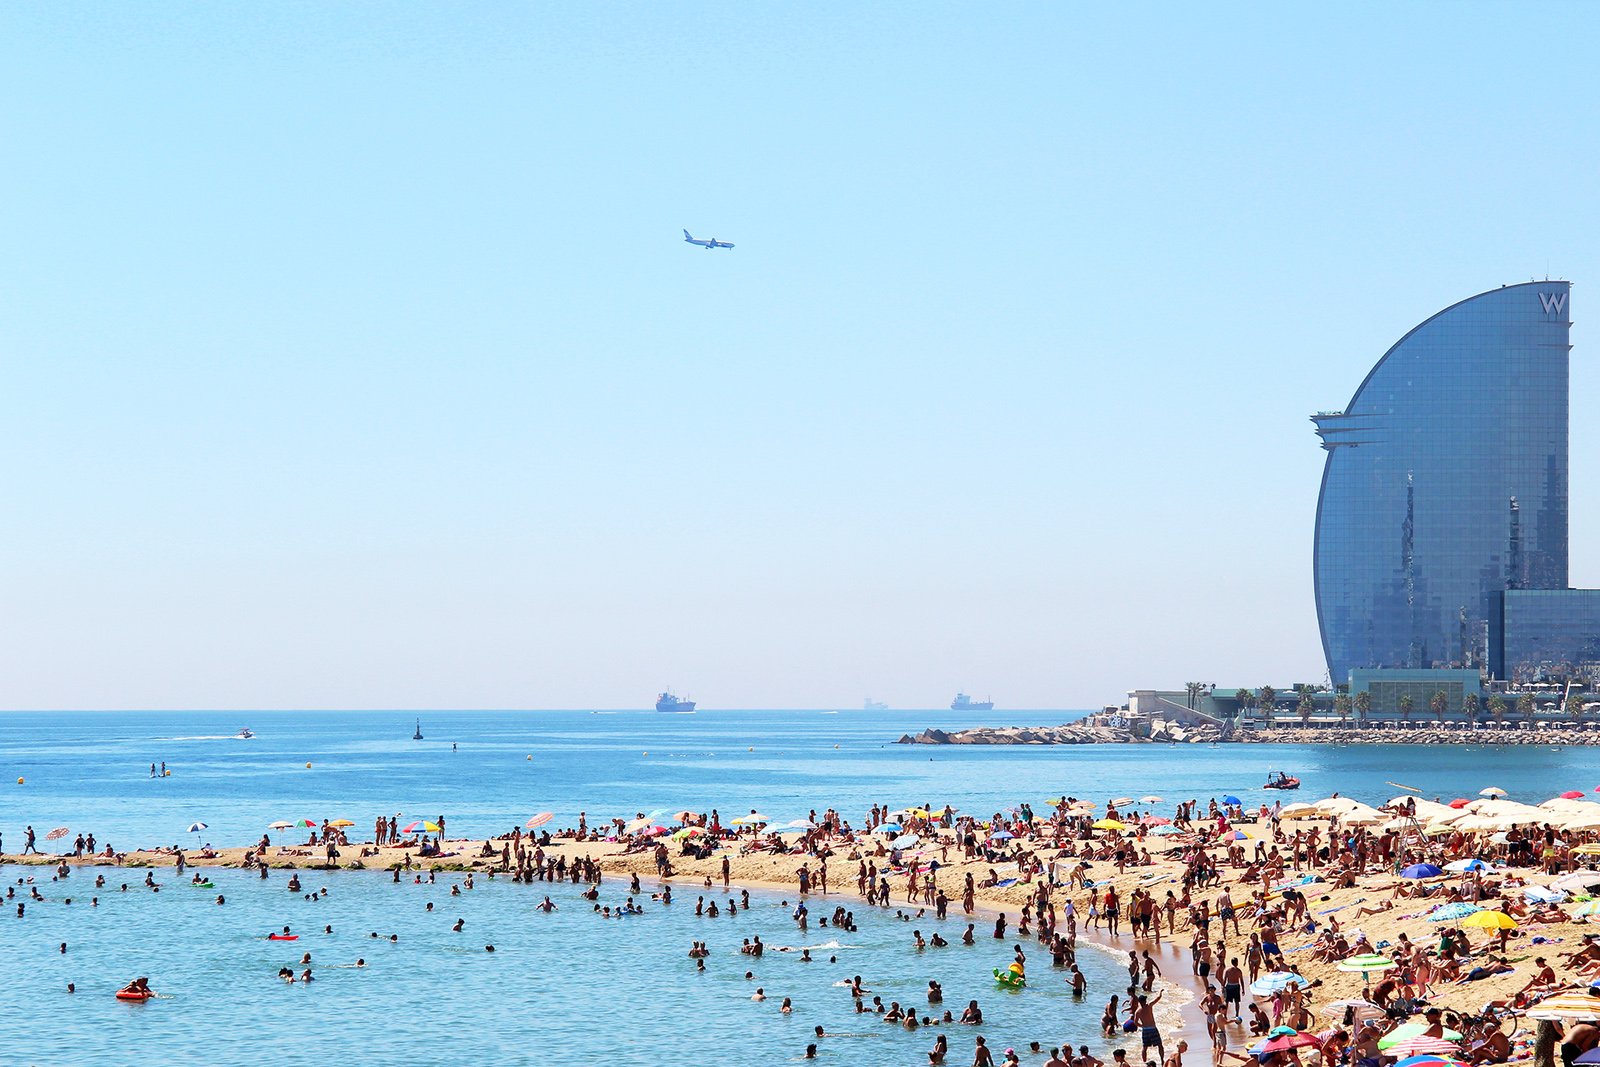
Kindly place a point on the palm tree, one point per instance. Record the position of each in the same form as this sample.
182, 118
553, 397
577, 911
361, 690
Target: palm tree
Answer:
1363, 705
1243, 698
1497, 709
1439, 704
1525, 705
1267, 699
1307, 705
1406, 704
1341, 708
1574, 707
1469, 708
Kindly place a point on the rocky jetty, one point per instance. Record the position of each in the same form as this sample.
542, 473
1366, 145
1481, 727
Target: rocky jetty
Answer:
1068, 734
1545, 734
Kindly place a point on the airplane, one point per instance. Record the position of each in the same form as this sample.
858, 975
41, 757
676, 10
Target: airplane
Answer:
707, 245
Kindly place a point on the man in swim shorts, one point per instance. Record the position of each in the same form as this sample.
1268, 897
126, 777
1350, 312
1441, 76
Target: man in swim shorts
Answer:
1149, 1034
1233, 987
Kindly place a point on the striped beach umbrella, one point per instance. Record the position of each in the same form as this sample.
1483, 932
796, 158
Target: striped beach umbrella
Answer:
1567, 1007
539, 820
1408, 1031
1269, 984
1420, 1045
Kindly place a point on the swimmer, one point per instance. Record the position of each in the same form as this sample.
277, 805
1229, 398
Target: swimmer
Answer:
759, 994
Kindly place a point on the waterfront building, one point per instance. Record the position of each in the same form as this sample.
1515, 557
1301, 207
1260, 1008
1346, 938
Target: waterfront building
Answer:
1445, 487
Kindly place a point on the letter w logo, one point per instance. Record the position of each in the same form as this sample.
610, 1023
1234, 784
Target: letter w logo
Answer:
1553, 302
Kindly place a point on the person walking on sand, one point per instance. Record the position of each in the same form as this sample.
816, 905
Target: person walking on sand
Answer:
28, 843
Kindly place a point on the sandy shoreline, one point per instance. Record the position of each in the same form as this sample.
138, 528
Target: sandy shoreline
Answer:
778, 873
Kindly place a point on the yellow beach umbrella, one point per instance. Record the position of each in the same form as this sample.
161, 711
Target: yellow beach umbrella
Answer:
1490, 920
1110, 824
341, 823
1588, 850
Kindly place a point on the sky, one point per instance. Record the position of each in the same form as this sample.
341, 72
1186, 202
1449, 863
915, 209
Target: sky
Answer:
353, 357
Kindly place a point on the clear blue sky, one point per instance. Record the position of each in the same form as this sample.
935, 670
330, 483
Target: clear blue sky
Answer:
353, 357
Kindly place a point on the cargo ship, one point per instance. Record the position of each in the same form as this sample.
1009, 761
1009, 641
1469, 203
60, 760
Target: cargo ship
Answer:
873, 705
668, 702
962, 702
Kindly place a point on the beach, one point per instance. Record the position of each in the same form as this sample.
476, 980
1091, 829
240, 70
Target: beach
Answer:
1380, 907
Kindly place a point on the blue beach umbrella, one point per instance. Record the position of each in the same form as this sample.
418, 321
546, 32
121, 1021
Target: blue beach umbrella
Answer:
1463, 866
1001, 835
1165, 831
196, 827
1458, 910
1421, 870
887, 828
1269, 984
1235, 801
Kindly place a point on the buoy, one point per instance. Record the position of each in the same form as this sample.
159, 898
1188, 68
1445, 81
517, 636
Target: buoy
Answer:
19, 781
308, 766
166, 774
752, 748
530, 757
647, 752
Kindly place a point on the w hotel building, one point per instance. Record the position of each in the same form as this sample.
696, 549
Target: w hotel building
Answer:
1441, 535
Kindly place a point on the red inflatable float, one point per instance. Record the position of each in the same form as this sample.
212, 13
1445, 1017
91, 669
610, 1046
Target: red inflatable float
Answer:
283, 937
128, 994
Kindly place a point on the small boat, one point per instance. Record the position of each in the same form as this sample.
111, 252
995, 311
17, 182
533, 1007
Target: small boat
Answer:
1279, 780
245, 734
873, 705
418, 735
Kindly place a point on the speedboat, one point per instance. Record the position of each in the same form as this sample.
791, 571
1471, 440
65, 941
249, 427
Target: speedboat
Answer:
245, 734
1279, 780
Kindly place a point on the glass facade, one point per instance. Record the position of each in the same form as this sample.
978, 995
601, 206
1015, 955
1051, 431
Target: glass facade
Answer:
1446, 484
1546, 633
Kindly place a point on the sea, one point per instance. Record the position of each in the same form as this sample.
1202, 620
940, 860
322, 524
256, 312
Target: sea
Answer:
567, 986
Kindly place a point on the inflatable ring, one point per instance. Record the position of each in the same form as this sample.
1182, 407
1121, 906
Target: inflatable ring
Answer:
283, 937
124, 994
202, 885
1009, 979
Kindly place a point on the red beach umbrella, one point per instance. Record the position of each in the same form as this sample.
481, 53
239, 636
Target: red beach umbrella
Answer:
1460, 802
1572, 794
57, 834
1289, 1041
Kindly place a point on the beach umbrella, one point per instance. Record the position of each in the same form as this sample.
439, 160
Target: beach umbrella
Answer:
1543, 895
885, 828
1236, 835
1269, 984
196, 827
539, 819
1235, 801
1572, 794
57, 834
1299, 810
642, 823
800, 824
305, 824
657, 815
1408, 1031
1360, 1009
683, 816
1150, 800
1448, 912
341, 823
431, 828
1421, 870
1492, 791
1001, 835
685, 832
1122, 801
1578, 881
754, 818
1567, 1007
1463, 866
1587, 908
1434, 1060
1110, 824
904, 841
1592, 1056
279, 825
1459, 802
1293, 1039
1155, 820
1419, 1045
1366, 965
1588, 850
1490, 920
1165, 831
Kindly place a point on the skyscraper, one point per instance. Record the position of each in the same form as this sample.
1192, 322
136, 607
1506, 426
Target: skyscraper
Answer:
1446, 484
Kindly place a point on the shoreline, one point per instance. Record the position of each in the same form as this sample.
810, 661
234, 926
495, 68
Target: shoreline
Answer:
1547, 735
